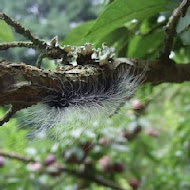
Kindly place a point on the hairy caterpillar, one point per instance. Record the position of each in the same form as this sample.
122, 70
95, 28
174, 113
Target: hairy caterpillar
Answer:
83, 101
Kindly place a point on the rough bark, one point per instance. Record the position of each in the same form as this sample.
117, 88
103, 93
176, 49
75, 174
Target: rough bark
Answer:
22, 85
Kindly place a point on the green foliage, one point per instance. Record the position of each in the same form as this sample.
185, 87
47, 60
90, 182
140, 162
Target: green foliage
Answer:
75, 37
121, 11
140, 45
158, 155
6, 34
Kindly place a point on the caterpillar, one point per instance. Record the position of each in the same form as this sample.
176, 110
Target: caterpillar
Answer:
80, 104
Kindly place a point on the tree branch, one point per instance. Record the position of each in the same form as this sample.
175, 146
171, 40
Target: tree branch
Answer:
23, 31
11, 111
23, 85
96, 179
16, 157
5, 46
170, 30
51, 51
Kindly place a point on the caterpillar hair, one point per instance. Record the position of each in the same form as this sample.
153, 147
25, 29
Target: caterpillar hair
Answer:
84, 100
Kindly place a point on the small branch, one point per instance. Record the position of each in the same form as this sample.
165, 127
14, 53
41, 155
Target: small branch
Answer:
41, 44
5, 46
39, 60
85, 176
54, 52
95, 179
170, 30
11, 111
16, 157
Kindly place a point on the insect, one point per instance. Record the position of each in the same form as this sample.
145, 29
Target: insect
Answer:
81, 97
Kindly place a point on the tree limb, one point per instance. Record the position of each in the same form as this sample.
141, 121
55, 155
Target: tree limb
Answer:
7, 45
170, 30
22, 85
23, 31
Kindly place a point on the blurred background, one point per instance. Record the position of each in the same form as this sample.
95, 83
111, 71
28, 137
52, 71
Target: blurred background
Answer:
146, 146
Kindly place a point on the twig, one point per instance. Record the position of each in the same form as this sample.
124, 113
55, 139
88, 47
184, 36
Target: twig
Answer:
11, 111
7, 45
16, 157
170, 30
23, 31
54, 52
39, 60
85, 176
96, 179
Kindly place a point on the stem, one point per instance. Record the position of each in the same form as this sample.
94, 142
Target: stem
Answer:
5, 46
41, 44
170, 30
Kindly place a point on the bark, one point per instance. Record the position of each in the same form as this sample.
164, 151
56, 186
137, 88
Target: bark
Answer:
22, 85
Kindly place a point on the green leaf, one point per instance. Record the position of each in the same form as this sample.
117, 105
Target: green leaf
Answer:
75, 37
121, 11
113, 36
141, 45
183, 28
184, 22
6, 34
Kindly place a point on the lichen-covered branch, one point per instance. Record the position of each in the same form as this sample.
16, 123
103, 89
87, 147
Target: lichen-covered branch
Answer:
7, 45
50, 51
23, 31
22, 85
170, 30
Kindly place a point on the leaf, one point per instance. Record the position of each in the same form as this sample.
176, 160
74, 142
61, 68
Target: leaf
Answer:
183, 28
75, 37
113, 36
121, 11
140, 45
184, 22
6, 34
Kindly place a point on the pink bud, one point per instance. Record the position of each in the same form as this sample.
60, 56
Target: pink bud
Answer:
50, 159
2, 161
34, 166
152, 132
134, 183
104, 141
137, 105
105, 162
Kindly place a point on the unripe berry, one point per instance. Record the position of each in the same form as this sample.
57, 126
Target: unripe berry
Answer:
134, 183
2, 161
118, 167
104, 141
50, 159
152, 132
34, 166
137, 105
126, 134
105, 163
137, 129
73, 157
54, 169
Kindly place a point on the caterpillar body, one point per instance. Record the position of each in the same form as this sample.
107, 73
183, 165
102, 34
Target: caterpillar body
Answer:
85, 99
